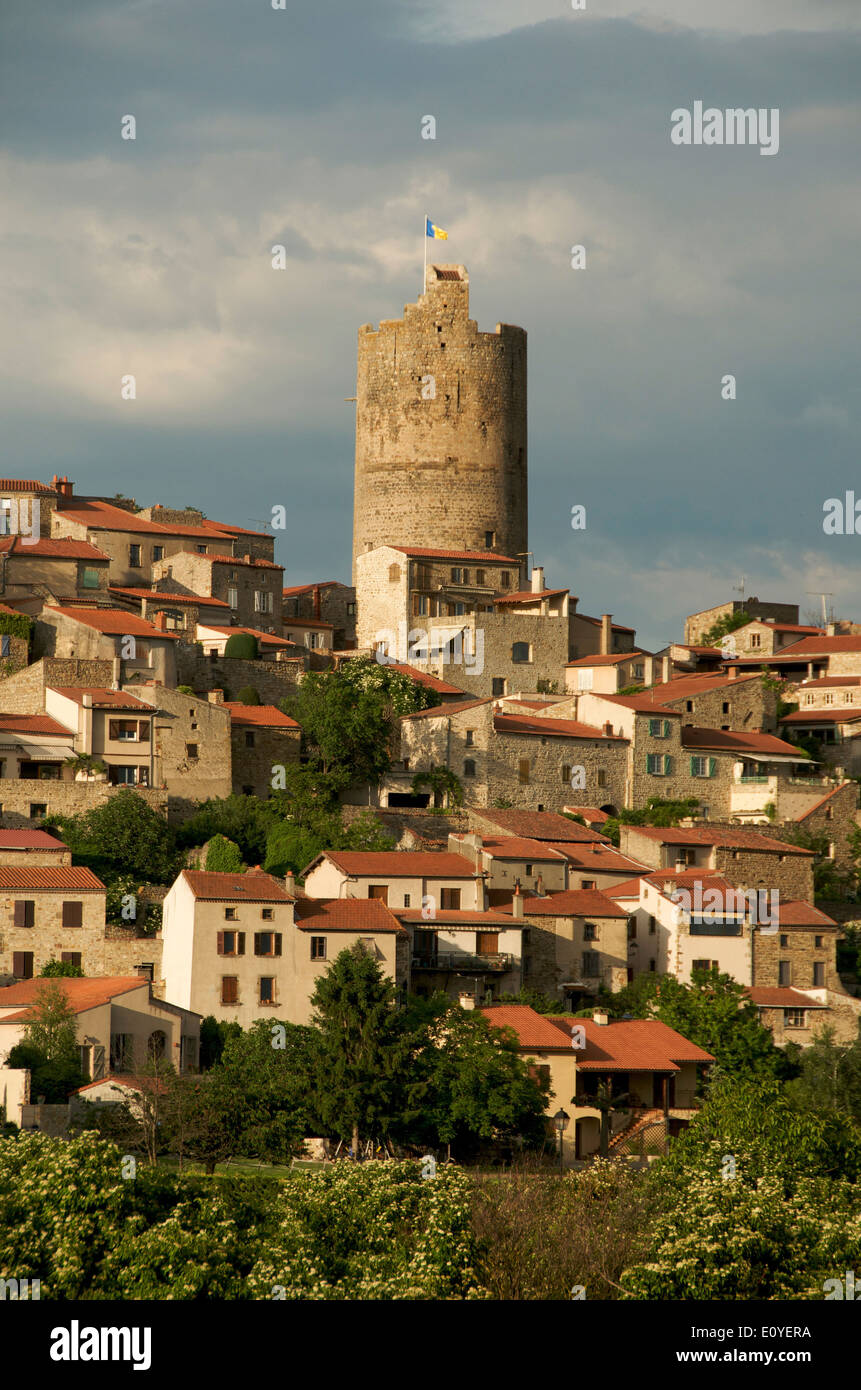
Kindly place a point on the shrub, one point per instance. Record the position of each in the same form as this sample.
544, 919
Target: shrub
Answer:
242, 646
248, 696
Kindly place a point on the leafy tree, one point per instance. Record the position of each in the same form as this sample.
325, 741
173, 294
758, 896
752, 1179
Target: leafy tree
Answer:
445, 785
401, 694
268, 1066
829, 881
243, 819
657, 811
830, 1079
214, 1036
126, 834
362, 1049
54, 969
223, 856
243, 646
248, 696
726, 624
49, 1047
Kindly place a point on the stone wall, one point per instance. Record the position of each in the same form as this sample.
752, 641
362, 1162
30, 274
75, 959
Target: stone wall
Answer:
271, 679
184, 723
253, 763
200, 574
447, 469
24, 692
61, 799
47, 939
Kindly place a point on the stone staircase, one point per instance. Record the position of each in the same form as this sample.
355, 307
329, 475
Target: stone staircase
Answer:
640, 1125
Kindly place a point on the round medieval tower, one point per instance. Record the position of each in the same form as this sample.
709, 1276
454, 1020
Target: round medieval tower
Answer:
441, 428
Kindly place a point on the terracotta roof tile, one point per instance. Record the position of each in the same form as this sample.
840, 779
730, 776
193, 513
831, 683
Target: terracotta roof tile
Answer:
723, 839
82, 994
53, 548
479, 557
102, 698
400, 863
250, 887
541, 825
573, 902
114, 622
30, 839
640, 1044
50, 878
261, 716
202, 601
781, 998
346, 914
514, 847
736, 741
426, 679
550, 728
451, 707
33, 724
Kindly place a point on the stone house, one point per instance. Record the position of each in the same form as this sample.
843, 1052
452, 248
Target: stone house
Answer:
799, 1016
466, 953
192, 749
608, 674
763, 637
52, 570
262, 738
328, 601
108, 634
699, 623
250, 587
172, 612
24, 848
532, 825
326, 927
574, 943
50, 912
213, 638
746, 858
400, 878
14, 648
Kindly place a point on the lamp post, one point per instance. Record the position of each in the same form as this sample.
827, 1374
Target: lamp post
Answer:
560, 1120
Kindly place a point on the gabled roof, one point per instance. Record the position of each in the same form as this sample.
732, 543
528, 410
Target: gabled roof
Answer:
397, 863
250, 887
834, 714
610, 659
455, 917
102, 698
200, 600
30, 839
26, 485
737, 741
513, 847
528, 595
82, 994
603, 858
641, 704
260, 716
765, 997
540, 825
684, 687
113, 622
478, 557
52, 548
97, 515
451, 707
723, 839
33, 724
346, 914
826, 682
240, 560
50, 878
265, 639
550, 728
821, 802
296, 589
573, 902
424, 678
534, 1030
639, 1044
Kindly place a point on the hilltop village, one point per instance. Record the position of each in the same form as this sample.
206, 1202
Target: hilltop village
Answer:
537, 811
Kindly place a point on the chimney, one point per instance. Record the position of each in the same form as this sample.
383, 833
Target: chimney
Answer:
216, 697
600, 1018
87, 700
317, 602
606, 634
517, 905
466, 1001
54, 481
608, 729
649, 673
290, 883
538, 579
160, 621
665, 669
65, 487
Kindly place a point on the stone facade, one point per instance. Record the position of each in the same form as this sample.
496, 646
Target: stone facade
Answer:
441, 427
271, 679
24, 802
742, 863
699, 623
48, 938
555, 947
192, 747
257, 750
250, 587
329, 602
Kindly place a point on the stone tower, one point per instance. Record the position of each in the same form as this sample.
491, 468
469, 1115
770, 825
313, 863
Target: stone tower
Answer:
441, 428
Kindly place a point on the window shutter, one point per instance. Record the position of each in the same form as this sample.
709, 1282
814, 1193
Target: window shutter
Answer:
24, 913
73, 914
221, 943
693, 767
19, 959
653, 727
666, 728
668, 764
240, 943
143, 730
277, 943
257, 946
712, 766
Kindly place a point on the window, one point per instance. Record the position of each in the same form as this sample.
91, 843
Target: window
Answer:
817, 943
123, 730
71, 958
784, 974
481, 577
191, 750
528, 870
829, 812
602, 777
421, 606
232, 596
659, 764
127, 775
22, 965
89, 578
318, 948
652, 926
566, 773
703, 964
489, 540
818, 974
134, 556
449, 899
793, 1018
201, 549
157, 553
379, 890
266, 993
521, 651
523, 771
659, 728
249, 738
406, 899
632, 928
229, 989
24, 913
755, 641
230, 914
497, 686
73, 914
470, 738
588, 883
231, 943
469, 767
351, 610
784, 939
591, 964
689, 706
590, 931
122, 1051
394, 574
262, 601
456, 574
267, 943
505, 578
38, 809
703, 767
725, 707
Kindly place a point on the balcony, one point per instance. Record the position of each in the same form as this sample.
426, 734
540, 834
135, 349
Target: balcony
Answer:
459, 962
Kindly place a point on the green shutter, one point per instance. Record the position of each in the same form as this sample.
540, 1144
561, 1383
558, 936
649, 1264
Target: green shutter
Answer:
668, 764
693, 769
666, 728
654, 725
712, 766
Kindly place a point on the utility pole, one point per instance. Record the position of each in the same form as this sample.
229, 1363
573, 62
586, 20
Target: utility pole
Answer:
823, 596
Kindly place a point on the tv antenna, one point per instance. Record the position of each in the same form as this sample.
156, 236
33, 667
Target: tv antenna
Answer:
739, 588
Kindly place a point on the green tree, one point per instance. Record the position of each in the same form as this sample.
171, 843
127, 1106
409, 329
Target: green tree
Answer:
214, 1035
248, 696
445, 785
242, 646
726, 624
49, 1047
244, 819
223, 856
125, 834
54, 969
830, 1079
362, 1048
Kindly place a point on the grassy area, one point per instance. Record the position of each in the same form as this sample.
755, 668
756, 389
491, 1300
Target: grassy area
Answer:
250, 1167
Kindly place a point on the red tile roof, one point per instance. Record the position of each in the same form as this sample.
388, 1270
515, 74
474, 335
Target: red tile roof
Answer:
795, 912
53, 548
266, 639
426, 679
261, 716
735, 741
97, 515
155, 594
297, 589
455, 917
346, 914
33, 724
827, 681
541, 825
574, 902
250, 887
781, 998
723, 839
82, 994
611, 659
513, 847
836, 714
233, 560
114, 622
50, 878
451, 707
528, 596
590, 813
639, 1044
821, 802
102, 698
399, 863
641, 704
534, 1031
550, 728
480, 557
683, 687
603, 858
26, 485
807, 647
30, 839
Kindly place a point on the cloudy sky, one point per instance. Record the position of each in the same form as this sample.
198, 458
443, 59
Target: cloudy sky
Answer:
302, 127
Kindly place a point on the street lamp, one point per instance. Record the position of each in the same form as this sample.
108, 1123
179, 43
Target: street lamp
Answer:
560, 1120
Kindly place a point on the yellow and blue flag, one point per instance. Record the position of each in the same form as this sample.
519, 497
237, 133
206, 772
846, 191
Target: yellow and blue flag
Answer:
436, 232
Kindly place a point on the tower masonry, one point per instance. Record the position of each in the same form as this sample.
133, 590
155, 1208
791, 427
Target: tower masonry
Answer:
441, 428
